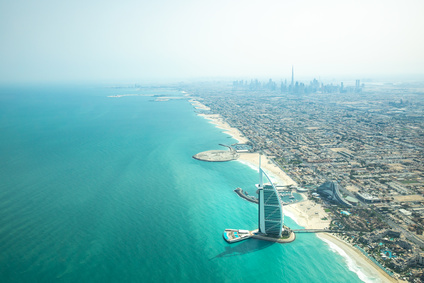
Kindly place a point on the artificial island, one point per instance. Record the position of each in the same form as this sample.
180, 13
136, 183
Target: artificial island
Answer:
270, 217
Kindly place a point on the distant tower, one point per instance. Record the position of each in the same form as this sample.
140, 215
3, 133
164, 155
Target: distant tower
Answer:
271, 217
358, 86
292, 82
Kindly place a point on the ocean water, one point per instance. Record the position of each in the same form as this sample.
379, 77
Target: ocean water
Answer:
100, 189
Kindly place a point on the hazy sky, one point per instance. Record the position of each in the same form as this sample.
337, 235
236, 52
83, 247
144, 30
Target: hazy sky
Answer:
136, 40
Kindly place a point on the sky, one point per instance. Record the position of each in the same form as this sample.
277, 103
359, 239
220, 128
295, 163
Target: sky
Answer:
128, 40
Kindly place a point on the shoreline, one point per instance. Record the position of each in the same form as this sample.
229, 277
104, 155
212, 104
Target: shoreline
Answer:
219, 122
279, 176
356, 261
309, 215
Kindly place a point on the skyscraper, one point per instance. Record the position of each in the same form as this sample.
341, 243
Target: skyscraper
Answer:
271, 217
292, 81
357, 86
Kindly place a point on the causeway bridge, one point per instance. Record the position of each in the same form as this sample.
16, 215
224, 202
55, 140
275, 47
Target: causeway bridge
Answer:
317, 231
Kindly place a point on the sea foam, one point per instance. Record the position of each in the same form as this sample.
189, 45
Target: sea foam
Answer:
351, 264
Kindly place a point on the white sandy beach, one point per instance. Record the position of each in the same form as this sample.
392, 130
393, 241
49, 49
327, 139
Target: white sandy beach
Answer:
268, 166
197, 104
219, 122
308, 214
360, 261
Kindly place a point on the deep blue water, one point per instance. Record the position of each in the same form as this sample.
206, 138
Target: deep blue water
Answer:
99, 189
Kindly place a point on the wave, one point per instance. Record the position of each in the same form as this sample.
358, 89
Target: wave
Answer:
251, 166
351, 264
291, 215
274, 179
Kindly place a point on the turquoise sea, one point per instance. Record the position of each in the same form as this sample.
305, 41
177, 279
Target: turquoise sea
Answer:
100, 189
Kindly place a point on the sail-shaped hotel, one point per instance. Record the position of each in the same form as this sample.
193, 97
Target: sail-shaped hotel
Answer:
270, 213
271, 217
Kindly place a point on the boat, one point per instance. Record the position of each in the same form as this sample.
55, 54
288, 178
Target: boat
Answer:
236, 235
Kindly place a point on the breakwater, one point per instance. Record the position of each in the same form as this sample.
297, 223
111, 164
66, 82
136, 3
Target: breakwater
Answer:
245, 195
217, 155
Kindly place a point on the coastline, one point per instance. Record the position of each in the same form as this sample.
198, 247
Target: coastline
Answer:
356, 261
219, 122
280, 177
306, 213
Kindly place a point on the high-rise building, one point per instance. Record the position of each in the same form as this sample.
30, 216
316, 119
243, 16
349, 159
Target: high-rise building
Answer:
358, 86
271, 217
292, 81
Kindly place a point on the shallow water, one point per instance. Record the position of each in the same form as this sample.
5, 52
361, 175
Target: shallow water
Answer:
99, 189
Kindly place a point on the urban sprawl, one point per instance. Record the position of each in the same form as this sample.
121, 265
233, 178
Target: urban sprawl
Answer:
367, 138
